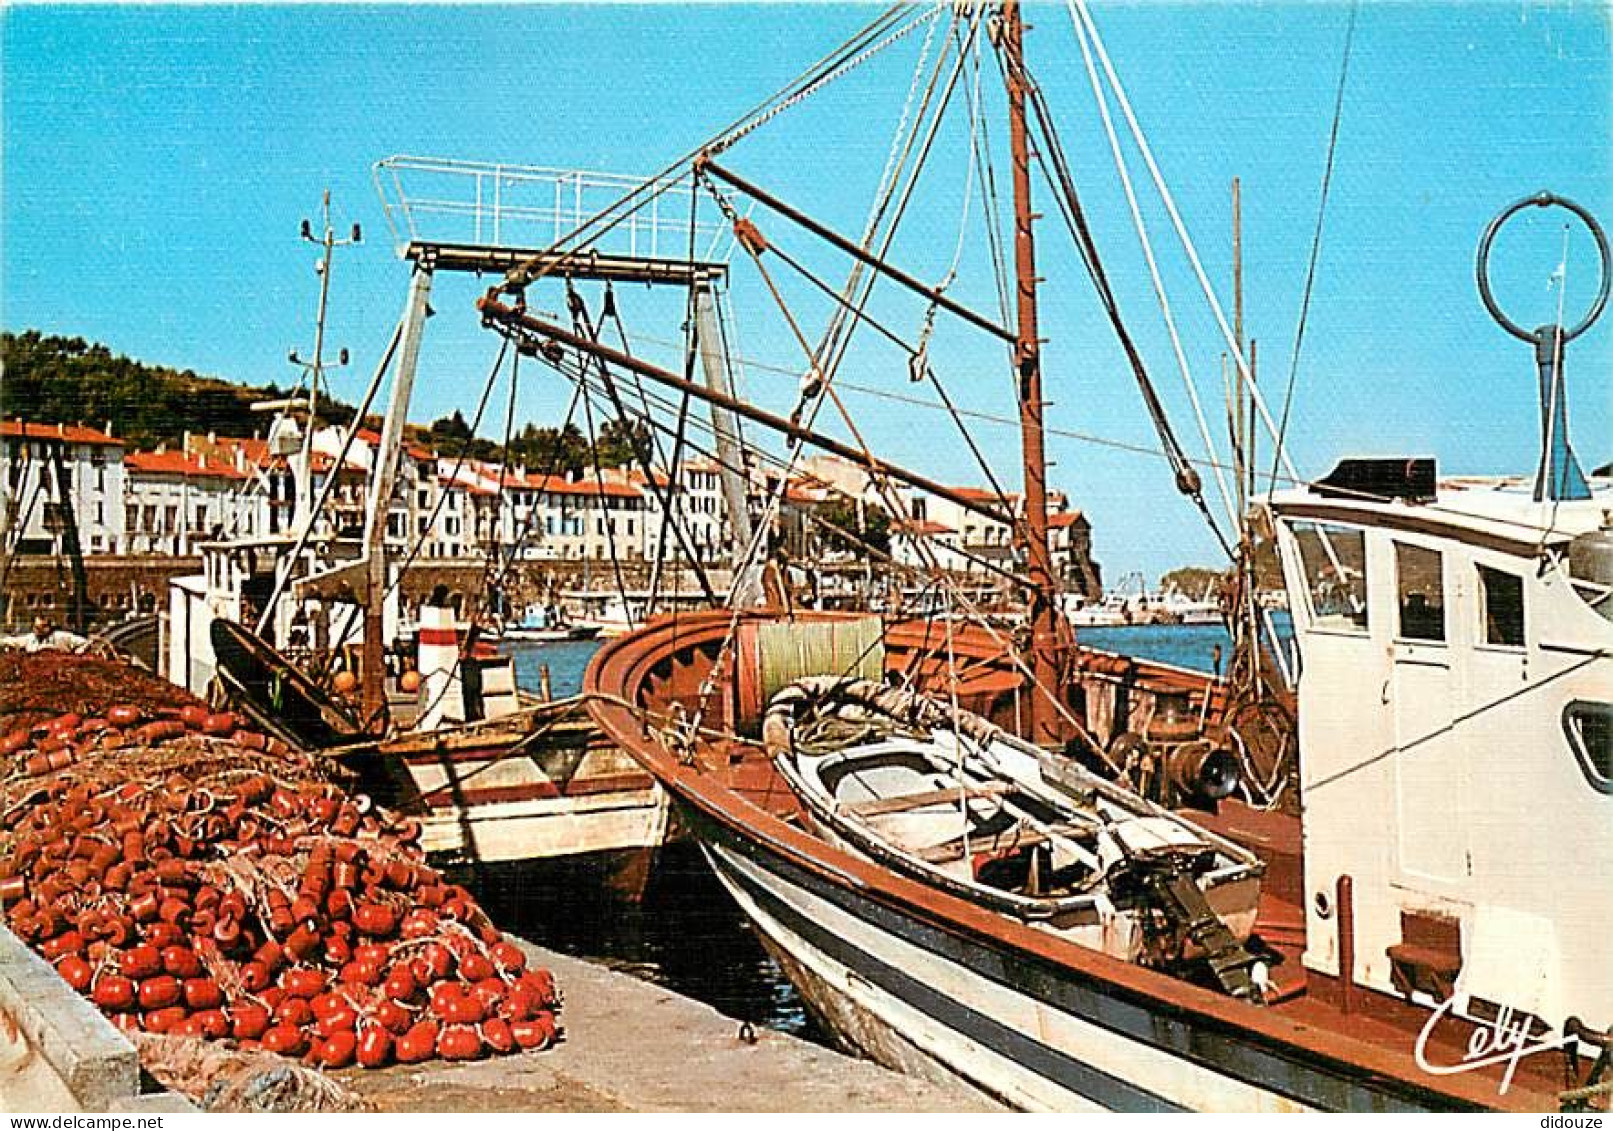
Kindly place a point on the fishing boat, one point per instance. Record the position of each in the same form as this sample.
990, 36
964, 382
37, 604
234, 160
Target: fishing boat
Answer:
1415, 943
1131, 603
1183, 609
957, 802
547, 626
538, 784
497, 776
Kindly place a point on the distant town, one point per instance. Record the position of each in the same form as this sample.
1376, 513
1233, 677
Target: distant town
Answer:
80, 485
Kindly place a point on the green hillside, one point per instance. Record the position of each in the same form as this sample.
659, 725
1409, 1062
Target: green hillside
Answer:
51, 379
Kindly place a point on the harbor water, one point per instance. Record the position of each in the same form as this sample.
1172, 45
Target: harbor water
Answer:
687, 934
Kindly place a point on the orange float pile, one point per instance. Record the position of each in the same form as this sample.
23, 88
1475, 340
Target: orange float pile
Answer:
193, 878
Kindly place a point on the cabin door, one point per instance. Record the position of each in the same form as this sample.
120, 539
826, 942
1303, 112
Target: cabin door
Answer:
1429, 771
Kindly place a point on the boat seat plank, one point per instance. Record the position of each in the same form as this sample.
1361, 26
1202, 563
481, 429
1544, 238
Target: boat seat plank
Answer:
1065, 832
879, 806
948, 851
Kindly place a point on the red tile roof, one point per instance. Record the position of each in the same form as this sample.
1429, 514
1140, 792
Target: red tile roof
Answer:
324, 461
72, 433
978, 494
557, 485
254, 451
1063, 519
923, 526
183, 464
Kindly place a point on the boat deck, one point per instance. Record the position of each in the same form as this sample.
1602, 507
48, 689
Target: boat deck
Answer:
1300, 996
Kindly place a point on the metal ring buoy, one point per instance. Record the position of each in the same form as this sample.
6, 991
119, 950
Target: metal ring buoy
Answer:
1542, 200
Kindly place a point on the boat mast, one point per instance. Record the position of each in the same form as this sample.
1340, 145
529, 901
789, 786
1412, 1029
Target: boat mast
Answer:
1044, 617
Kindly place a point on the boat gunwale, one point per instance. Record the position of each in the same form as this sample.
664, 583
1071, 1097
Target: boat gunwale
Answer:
619, 667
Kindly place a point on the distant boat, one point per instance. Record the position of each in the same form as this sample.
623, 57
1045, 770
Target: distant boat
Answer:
548, 625
606, 614
1189, 610
551, 635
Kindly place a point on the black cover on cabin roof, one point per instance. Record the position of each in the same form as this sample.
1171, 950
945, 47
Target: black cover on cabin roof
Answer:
1410, 479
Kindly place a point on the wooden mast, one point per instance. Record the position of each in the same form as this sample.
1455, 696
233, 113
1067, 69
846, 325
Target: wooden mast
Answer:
1045, 645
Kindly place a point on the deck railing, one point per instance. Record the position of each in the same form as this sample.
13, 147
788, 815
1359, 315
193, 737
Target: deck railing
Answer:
446, 200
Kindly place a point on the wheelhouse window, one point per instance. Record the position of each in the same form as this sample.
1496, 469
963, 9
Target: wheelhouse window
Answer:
1589, 727
1335, 561
1501, 594
1420, 593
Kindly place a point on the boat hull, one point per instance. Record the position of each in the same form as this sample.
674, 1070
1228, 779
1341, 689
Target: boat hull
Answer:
537, 786
920, 998
485, 806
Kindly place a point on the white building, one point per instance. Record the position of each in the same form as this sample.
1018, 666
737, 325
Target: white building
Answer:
33, 519
966, 541
591, 518
698, 505
175, 500
263, 504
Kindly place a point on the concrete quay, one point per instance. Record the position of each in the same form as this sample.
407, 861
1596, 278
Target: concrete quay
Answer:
629, 1046
633, 1046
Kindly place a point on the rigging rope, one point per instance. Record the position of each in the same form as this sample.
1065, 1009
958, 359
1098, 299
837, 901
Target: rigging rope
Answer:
901, 150
1316, 240
1058, 174
735, 134
1153, 267
1180, 228
586, 327
823, 363
604, 526
850, 54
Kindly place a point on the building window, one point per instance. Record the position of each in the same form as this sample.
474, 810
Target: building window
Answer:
1335, 562
1502, 597
1420, 593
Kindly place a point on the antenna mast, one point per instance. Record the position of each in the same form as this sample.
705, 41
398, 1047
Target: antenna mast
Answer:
1046, 642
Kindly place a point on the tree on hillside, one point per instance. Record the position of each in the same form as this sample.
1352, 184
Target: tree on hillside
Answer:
551, 451
51, 379
619, 445
451, 436
1192, 580
840, 514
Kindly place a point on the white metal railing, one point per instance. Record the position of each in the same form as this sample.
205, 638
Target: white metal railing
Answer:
447, 200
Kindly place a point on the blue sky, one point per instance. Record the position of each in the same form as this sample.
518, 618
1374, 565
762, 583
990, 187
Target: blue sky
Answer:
157, 162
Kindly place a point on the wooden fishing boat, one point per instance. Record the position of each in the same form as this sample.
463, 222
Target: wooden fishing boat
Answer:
540, 784
952, 800
1423, 949
933, 979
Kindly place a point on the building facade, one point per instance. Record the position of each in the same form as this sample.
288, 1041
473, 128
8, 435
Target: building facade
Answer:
35, 506
175, 501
